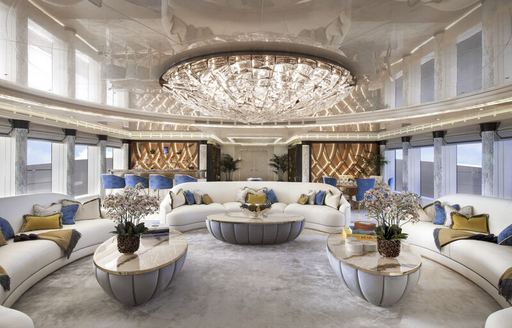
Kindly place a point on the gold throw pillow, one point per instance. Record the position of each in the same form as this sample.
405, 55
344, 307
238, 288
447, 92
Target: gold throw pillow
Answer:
259, 198
33, 222
303, 199
2, 239
476, 223
207, 200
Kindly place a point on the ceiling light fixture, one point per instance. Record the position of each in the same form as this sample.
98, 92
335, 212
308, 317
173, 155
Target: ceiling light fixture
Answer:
258, 87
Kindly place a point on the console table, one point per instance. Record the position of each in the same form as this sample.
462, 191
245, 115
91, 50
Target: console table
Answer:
238, 228
136, 278
382, 281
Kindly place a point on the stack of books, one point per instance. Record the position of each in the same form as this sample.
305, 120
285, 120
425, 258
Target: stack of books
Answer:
363, 230
156, 232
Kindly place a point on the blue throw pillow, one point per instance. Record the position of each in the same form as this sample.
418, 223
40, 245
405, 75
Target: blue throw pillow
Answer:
271, 196
505, 237
189, 197
440, 216
68, 213
320, 197
6, 228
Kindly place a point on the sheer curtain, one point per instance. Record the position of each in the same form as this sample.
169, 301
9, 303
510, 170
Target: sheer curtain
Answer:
7, 43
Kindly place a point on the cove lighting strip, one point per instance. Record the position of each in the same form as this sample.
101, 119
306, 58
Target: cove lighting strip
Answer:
59, 22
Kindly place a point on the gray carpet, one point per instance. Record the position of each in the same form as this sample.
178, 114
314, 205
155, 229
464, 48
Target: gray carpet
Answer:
223, 285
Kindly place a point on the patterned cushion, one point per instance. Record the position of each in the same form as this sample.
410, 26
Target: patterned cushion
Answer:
89, 210
69, 213
320, 197
476, 223
6, 228
177, 198
41, 210
505, 237
34, 222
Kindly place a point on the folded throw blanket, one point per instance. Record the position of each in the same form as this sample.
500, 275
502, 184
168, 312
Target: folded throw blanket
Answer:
65, 239
505, 284
444, 236
5, 280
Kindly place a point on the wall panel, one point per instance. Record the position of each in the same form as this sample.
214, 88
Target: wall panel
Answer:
164, 155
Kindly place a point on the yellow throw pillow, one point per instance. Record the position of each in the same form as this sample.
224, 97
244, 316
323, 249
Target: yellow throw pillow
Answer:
303, 199
33, 222
476, 223
259, 198
2, 239
207, 200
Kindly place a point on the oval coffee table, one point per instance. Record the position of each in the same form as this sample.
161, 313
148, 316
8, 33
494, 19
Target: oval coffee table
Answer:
238, 228
379, 280
135, 279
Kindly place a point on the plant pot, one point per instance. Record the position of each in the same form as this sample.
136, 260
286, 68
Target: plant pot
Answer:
388, 248
128, 244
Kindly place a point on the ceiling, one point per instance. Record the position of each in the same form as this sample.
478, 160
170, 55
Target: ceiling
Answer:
136, 40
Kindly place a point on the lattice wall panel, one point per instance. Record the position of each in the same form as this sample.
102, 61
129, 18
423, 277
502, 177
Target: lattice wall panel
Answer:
164, 155
337, 159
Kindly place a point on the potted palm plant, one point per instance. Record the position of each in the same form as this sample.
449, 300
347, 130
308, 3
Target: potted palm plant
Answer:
279, 163
391, 211
128, 209
228, 165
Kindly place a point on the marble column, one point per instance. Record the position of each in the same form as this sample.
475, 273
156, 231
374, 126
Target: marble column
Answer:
71, 62
406, 81
69, 141
406, 144
490, 35
20, 135
438, 162
102, 148
439, 60
305, 163
203, 158
382, 150
488, 132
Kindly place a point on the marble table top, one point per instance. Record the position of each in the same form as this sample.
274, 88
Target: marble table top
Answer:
239, 217
372, 262
154, 253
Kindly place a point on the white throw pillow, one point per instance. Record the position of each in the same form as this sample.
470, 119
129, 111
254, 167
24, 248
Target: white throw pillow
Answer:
311, 197
89, 210
41, 210
423, 216
198, 197
466, 211
332, 199
178, 199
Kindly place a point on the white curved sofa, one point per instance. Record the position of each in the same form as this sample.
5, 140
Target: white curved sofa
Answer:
481, 262
318, 217
28, 262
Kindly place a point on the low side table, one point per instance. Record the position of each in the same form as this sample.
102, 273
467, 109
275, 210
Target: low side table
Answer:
136, 278
382, 281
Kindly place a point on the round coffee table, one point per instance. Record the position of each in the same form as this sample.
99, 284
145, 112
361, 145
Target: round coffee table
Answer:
238, 228
135, 279
379, 280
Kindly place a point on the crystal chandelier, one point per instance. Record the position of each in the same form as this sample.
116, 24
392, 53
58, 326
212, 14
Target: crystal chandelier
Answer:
258, 87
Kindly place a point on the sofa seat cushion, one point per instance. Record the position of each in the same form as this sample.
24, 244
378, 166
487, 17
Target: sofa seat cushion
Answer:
190, 214
277, 208
232, 206
317, 214
487, 259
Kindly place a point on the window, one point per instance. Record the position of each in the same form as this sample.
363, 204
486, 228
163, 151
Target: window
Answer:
469, 168
398, 169
427, 172
39, 166
110, 158
40, 68
399, 92
87, 77
469, 64
7, 43
427, 81
80, 179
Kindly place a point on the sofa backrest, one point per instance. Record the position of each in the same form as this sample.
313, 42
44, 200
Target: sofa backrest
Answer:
226, 191
14, 207
499, 210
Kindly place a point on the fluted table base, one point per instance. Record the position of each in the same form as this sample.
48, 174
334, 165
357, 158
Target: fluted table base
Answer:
377, 289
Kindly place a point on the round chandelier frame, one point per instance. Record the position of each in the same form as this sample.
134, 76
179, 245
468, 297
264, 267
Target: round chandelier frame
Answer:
258, 86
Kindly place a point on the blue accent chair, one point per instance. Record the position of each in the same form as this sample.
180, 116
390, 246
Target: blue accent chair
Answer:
132, 180
179, 179
157, 182
391, 183
330, 181
363, 185
111, 181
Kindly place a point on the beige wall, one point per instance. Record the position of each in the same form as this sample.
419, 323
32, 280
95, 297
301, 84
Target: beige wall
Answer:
253, 154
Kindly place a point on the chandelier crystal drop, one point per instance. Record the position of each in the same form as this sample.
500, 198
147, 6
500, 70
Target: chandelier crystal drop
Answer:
258, 88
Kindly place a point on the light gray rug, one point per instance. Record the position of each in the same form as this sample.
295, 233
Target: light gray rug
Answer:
223, 285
